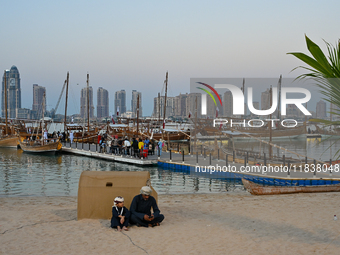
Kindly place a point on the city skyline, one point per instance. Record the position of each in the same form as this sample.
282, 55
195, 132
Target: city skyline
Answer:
178, 106
142, 43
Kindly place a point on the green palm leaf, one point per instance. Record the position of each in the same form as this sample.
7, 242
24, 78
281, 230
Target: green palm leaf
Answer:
325, 71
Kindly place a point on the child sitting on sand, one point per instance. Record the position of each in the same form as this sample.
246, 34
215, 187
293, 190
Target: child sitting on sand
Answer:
120, 215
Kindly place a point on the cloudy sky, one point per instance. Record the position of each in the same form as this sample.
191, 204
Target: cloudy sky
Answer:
131, 44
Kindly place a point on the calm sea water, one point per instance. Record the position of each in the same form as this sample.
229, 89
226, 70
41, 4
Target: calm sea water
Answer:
317, 148
23, 174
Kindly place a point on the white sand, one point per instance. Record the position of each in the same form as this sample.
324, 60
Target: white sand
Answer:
194, 224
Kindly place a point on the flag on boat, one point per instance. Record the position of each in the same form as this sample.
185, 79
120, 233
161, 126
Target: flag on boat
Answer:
113, 121
189, 114
117, 110
163, 124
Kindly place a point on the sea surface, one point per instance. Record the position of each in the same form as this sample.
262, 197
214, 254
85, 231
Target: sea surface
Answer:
23, 174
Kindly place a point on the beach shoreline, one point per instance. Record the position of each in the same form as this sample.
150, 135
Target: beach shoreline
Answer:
233, 223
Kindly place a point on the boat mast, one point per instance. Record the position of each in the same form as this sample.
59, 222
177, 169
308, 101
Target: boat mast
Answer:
166, 90
159, 108
88, 102
66, 101
6, 106
43, 122
279, 103
137, 113
269, 123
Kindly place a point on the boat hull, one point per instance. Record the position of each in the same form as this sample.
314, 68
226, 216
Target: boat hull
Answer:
51, 147
256, 189
11, 141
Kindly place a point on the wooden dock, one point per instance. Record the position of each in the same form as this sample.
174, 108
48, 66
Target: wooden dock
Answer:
92, 150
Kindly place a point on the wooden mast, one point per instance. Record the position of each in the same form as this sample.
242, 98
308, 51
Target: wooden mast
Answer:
6, 106
66, 101
270, 123
166, 90
43, 120
88, 102
159, 108
137, 113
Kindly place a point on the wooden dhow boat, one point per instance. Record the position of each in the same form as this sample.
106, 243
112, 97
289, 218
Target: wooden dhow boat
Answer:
45, 146
9, 141
256, 189
33, 144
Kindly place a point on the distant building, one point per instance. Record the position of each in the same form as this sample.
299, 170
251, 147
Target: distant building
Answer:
13, 93
321, 109
38, 104
265, 102
102, 103
256, 106
158, 107
83, 103
120, 101
135, 93
192, 99
228, 104
24, 113
211, 107
180, 109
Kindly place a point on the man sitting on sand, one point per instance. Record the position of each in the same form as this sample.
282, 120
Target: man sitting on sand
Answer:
141, 209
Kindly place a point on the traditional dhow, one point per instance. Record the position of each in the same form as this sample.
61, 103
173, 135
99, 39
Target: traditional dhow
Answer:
40, 146
256, 189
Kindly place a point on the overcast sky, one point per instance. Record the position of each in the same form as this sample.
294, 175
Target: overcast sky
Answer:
131, 44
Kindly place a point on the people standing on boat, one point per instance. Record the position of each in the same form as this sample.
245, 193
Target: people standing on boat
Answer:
54, 136
120, 215
99, 138
45, 135
140, 209
160, 147
71, 137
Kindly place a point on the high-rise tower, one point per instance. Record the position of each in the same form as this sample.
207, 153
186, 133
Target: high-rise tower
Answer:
120, 101
83, 102
102, 103
135, 93
38, 95
13, 92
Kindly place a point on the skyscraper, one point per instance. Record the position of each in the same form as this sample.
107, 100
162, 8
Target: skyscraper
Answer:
321, 109
13, 93
228, 104
102, 103
38, 95
158, 107
120, 101
135, 93
194, 104
83, 103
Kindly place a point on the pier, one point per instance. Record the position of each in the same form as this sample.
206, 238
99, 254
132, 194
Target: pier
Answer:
222, 166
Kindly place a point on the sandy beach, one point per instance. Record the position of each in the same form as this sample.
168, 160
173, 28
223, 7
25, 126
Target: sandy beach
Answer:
194, 224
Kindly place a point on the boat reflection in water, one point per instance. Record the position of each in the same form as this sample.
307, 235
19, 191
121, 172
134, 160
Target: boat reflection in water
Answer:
26, 174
